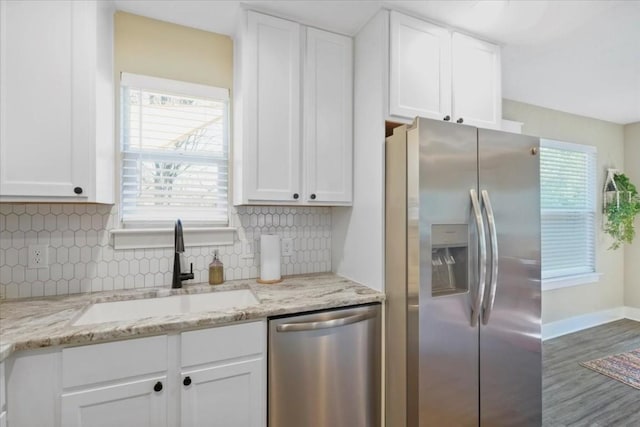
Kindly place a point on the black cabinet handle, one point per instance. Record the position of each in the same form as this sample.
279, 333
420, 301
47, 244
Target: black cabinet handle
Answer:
77, 190
186, 381
158, 386
447, 118
313, 197
296, 195
460, 120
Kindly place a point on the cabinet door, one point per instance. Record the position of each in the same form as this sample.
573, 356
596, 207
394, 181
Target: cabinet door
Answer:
43, 151
272, 157
420, 79
328, 141
477, 95
222, 396
131, 404
3, 388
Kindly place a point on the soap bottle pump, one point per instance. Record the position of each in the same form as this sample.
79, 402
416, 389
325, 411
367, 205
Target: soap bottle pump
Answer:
216, 270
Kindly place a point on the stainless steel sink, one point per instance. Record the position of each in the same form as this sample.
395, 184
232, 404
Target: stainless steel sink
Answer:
174, 305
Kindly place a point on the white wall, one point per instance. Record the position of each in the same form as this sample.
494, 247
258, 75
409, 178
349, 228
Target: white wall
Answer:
632, 252
161, 49
608, 137
358, 232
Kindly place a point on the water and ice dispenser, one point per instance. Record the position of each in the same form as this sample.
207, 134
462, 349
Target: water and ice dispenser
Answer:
449, 259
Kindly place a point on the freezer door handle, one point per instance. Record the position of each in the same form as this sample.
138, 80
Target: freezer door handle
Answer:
488, 302
325, 324
482, 243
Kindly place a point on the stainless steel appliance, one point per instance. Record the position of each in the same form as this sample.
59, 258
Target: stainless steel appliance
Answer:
324, 369
462, 277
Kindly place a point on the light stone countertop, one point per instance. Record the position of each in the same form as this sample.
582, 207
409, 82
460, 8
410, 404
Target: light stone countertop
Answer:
32, 323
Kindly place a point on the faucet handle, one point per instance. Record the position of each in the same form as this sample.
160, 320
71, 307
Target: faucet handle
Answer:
187, 276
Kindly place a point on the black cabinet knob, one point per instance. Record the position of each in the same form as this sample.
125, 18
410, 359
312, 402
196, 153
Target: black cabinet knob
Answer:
313, 197
447, 118
460, 120
158, 386
77, 190
186, 381
296, 195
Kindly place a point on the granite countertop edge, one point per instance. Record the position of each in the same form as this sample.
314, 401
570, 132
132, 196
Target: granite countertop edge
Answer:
34, 323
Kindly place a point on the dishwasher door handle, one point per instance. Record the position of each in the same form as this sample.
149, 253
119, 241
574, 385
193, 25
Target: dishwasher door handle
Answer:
324, 324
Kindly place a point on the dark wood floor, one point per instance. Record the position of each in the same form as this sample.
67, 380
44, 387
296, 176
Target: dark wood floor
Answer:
577, 396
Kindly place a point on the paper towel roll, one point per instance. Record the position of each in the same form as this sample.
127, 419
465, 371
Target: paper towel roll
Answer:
269, 258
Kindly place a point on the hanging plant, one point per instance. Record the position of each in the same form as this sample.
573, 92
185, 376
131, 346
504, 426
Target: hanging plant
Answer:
622, 204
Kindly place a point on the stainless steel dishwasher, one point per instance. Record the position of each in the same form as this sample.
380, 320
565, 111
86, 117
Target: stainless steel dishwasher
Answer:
324, 369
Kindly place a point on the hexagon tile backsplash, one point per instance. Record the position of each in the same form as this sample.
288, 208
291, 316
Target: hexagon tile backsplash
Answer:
81, 258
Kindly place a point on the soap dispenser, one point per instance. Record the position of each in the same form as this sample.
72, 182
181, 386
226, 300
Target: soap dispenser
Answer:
216, 270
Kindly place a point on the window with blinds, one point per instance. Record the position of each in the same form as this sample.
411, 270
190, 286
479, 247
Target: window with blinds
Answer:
174, 152
568, 204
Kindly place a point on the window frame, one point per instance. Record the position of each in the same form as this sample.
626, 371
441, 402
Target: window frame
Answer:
159, 234
582, 278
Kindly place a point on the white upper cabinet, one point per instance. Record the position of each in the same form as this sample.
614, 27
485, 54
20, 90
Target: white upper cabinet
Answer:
442, 75
420, 79
56, 101
272, 133
477, 94
328, 117
293, 114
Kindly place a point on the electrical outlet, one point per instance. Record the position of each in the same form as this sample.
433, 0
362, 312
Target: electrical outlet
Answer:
248, 249
38, 256
287, 247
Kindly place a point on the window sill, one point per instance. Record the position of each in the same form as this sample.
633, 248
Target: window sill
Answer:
569, 281
127, 238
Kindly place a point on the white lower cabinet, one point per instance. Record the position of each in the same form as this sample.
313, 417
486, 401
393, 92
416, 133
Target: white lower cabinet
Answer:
227, 395
121, 383
223, 377
213, 377
3, 389
3, 394
135, 403
33, 381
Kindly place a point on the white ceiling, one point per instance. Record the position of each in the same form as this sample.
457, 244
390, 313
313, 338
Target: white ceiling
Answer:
582, 57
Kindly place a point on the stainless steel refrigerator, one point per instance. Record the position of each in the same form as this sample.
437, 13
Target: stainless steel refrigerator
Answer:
462, 277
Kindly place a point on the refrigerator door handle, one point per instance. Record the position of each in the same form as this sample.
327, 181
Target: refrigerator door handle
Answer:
488, 303
482, 243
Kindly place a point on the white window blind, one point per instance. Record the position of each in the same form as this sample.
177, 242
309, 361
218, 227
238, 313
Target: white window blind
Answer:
174, 152
567, 193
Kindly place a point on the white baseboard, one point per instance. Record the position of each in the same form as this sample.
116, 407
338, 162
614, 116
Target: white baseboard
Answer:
585, 321
632, 313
